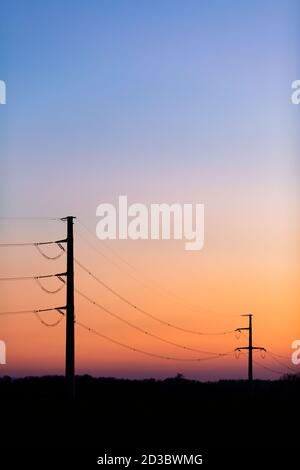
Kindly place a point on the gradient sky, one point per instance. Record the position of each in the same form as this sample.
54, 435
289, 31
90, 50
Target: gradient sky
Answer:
165, 101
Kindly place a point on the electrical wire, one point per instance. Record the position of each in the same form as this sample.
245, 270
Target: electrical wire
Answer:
57, 322
159, 356
152, 285
141, 330
50, 257
128, 273
268, 368
110, 260
271, 353
279, 355
136, 307
105, 256
5, 245
282, 364
29, 218
17, 312
26, 278
59, 288
288, 358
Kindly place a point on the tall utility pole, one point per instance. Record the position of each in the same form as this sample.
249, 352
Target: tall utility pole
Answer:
70, 343
250, 348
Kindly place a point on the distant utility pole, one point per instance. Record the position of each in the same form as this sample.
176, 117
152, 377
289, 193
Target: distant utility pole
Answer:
70, 343
250, 348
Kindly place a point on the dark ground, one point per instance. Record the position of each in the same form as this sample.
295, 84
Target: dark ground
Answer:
224, 421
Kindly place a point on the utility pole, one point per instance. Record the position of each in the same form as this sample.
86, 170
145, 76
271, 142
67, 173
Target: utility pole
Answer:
250, 347
70, 318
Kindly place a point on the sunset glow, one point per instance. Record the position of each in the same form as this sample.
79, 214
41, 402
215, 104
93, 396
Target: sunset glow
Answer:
184, 106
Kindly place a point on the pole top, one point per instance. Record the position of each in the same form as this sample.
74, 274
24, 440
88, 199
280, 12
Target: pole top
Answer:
247, 315
68, 217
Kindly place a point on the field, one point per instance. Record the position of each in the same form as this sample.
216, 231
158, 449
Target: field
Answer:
225, 421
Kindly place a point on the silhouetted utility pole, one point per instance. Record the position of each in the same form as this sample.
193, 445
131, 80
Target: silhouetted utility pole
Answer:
70, 343
250, 347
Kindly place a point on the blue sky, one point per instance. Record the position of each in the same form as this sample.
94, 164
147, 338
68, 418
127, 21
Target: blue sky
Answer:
139, 90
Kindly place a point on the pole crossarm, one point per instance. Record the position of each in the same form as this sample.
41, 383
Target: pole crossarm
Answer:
65, 240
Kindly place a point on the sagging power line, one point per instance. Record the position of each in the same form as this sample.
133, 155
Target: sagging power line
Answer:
27, 278
40, 310
159, 356
148, 333
148, 314
67, 278
128, 267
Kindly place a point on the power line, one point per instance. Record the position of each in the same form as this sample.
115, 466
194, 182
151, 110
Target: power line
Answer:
53, 324
271, 353
281, 363
17, 312
37, 279
269, 368
113, 251
38, 312
141, 330
5, 245
26, 278
49, 291
279, 355
274, 370
29, 218
110, 260
159, 356
136, 307
152, 285
51, 257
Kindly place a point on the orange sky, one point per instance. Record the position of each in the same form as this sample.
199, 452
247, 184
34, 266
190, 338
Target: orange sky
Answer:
237, 272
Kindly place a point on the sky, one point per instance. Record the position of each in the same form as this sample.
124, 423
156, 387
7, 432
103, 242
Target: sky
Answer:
164, 102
